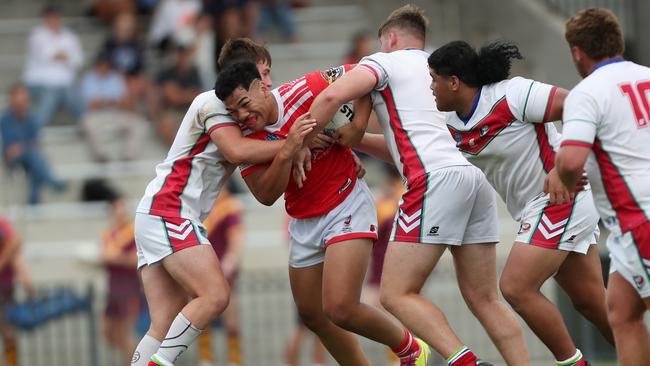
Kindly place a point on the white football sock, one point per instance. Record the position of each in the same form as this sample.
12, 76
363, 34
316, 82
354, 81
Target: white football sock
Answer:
180, 336
146, 348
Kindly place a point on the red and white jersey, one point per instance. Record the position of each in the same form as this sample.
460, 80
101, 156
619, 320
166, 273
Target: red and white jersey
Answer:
188, 181
414, 128
332, 175
506, 136
609, 111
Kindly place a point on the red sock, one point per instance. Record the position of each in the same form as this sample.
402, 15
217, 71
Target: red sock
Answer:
464, 357
408, 347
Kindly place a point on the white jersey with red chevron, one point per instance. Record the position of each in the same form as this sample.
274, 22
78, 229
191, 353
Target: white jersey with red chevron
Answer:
505, 135
609, 111
187, 182
414, 128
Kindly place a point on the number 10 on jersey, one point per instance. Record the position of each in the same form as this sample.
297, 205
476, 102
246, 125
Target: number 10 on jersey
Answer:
641, 110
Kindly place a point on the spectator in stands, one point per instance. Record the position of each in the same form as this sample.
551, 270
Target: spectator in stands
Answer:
206, 56
124, 47
362, 44
171, 18
54, 57
119, 258
12, 269
177, 86
20, 144
226, 233
280, 13
126, 51
108, 109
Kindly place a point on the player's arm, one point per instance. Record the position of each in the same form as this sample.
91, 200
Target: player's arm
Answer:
269, 183
351, 134
354, 84
556, 105
570, 163
238, 149
374, 144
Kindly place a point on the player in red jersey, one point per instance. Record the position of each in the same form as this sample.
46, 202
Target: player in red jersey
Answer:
334, 220
606, 120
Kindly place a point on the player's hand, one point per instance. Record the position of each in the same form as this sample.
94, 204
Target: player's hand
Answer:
582, 182
557, 192
301, 128
349, 135
359, 168
301, 165
321, 141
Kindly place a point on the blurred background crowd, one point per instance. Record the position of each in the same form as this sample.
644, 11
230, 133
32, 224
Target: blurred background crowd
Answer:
91, 95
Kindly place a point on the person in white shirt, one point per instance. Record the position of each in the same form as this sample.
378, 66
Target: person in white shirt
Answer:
504, 127
448, 204
54, 57
606, 129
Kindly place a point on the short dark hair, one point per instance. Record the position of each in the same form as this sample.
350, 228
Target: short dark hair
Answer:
597, 32
409, 18
490, 65
241, 74
241, 50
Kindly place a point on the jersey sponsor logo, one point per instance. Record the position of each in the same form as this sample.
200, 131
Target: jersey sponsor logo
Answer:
271, 137
346, 185
433, 231
571, 238
484, 131
550, 229
524, 228
408, 223
330, 75
347, 224
181, 231
639, 281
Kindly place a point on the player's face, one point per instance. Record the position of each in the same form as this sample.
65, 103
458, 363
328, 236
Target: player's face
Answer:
265, 72
440, 89
250, 107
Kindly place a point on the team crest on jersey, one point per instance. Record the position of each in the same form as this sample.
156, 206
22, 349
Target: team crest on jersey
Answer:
347, 224
330, 75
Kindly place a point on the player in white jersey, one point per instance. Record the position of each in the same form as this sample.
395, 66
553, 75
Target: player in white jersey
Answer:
448, 202
607, 121
504, 127
169, 235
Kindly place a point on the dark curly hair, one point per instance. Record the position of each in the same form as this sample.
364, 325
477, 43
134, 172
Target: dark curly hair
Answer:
489, 65
236, 75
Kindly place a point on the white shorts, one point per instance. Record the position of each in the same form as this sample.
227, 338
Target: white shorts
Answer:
630, 257
572, 227
354, 218
157, 237
454, 205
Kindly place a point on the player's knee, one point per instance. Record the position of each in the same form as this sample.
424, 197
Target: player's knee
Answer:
512, 292
620, 313
477, 301
313, 318
389, 300
340, 312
